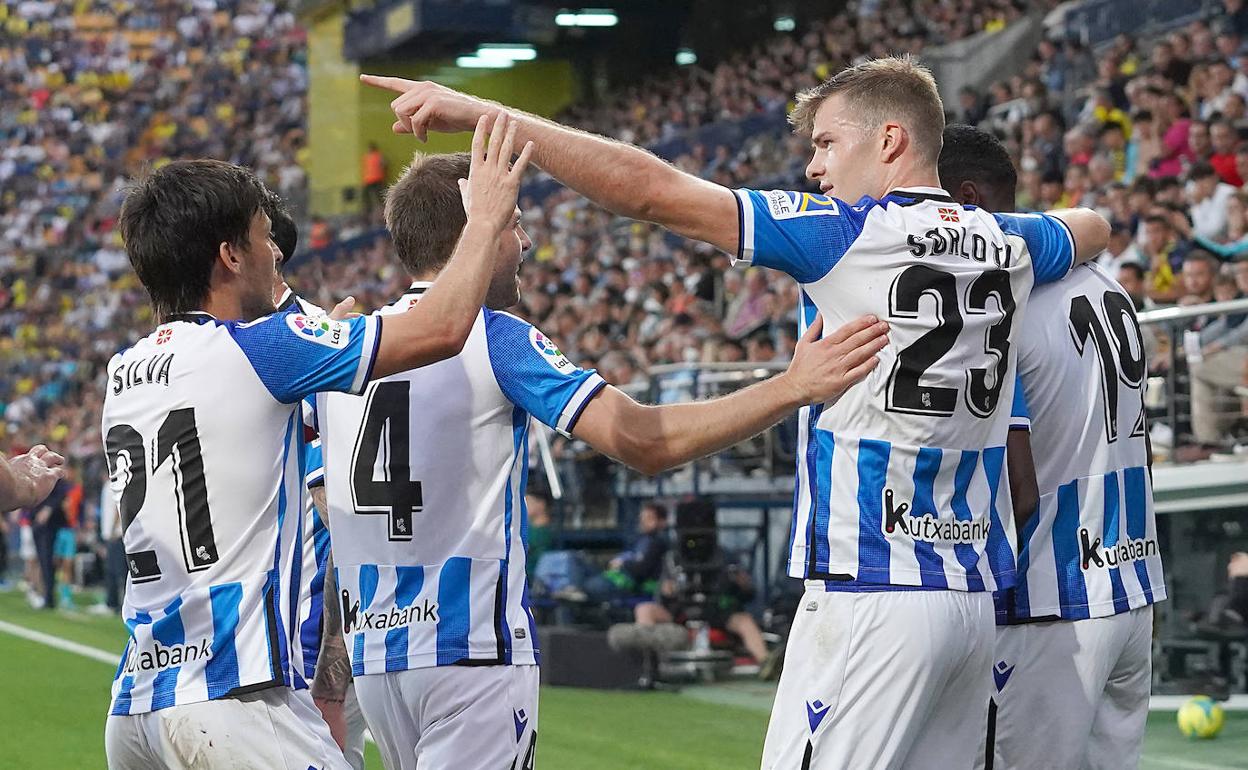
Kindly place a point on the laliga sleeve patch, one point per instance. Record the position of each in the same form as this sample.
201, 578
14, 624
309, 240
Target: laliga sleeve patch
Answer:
549, 351
320, 329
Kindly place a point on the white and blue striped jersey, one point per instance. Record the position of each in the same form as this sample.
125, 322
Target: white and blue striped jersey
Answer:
900, 482
1091, 549
425, 478
202, 433
310, 616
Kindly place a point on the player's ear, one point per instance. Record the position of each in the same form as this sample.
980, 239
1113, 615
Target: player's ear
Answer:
894, 141
967, 194
230, 257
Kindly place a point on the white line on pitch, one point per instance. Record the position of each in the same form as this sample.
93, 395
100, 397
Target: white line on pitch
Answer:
111, 658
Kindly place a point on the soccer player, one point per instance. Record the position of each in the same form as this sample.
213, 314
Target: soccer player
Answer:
900, 527
340, 711
201, 424
425, 482
1074, 647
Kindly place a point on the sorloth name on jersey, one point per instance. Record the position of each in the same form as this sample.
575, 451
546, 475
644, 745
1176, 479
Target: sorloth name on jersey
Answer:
956, 241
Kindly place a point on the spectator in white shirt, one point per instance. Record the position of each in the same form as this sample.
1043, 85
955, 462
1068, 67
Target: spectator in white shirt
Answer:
1208, 196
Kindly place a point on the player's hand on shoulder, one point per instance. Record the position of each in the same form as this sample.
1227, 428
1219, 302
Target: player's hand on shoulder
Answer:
493, 182
823, 369
423, 106
342, 311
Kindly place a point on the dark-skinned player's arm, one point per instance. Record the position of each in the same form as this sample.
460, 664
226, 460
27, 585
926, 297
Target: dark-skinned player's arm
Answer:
437, 327
653, 439
622, 178
1020, 463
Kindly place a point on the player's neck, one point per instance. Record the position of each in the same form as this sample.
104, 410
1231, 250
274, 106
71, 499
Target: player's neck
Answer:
223, 306
915, 176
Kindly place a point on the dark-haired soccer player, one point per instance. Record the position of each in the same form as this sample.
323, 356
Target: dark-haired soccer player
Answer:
1072, 668
202, 433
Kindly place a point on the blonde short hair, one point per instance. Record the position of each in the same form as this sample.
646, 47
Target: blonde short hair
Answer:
895, 88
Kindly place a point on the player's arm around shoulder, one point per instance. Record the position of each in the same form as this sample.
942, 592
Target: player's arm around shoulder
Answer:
1088, 230
653, 439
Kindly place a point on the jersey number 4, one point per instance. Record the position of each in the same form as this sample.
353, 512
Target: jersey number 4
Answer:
906, 391
386, 434
1120, 350
177, 439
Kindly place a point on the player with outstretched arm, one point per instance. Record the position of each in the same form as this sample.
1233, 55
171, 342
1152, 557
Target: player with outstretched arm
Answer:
425, 483
901, 526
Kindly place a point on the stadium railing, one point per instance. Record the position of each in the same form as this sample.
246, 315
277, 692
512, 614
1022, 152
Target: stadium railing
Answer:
762, 468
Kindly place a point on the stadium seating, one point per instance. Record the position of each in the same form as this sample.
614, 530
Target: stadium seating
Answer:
1102, 127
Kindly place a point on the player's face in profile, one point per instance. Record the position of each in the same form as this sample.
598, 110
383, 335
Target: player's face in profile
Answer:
259, 269
504, 288
846, 155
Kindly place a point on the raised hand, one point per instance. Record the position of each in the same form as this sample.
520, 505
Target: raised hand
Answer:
423, 106
493, 182
823, 369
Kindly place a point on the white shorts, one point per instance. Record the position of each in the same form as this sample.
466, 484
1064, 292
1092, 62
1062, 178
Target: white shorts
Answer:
465, 717
883, 680
354, 740
1086, 681
267, 730
356, 726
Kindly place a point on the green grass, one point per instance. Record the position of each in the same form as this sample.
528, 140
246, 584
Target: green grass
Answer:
54, 704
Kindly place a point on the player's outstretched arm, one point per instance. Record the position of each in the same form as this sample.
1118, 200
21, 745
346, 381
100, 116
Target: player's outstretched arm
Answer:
26, 480
1089, 229
621, 178
653, 439
437, 327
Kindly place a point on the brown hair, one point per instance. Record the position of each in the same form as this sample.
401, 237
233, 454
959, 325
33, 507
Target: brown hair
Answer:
424, 210
894, 88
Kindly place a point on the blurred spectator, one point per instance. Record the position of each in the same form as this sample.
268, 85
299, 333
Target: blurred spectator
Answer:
373, 180
1209, 196
1218, 365
1158, 250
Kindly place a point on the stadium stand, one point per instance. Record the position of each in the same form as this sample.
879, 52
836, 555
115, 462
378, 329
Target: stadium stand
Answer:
1147, 127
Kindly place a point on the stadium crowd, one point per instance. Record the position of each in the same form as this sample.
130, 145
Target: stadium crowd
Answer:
1150, 132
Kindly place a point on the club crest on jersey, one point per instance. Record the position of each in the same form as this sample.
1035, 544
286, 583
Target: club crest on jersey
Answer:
322, 330
948, 215
551, 352
1091, 551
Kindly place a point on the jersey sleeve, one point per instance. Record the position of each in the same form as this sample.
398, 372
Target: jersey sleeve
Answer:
1020, 417
798, 233
535, 375
1049, 242
296, 355
313, 458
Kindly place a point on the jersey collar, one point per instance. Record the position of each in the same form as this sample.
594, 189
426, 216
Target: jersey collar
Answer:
417, 288
191, 316
289, 299
921, 194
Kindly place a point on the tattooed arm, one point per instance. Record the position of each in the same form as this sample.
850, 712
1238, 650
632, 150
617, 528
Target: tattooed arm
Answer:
333, 666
